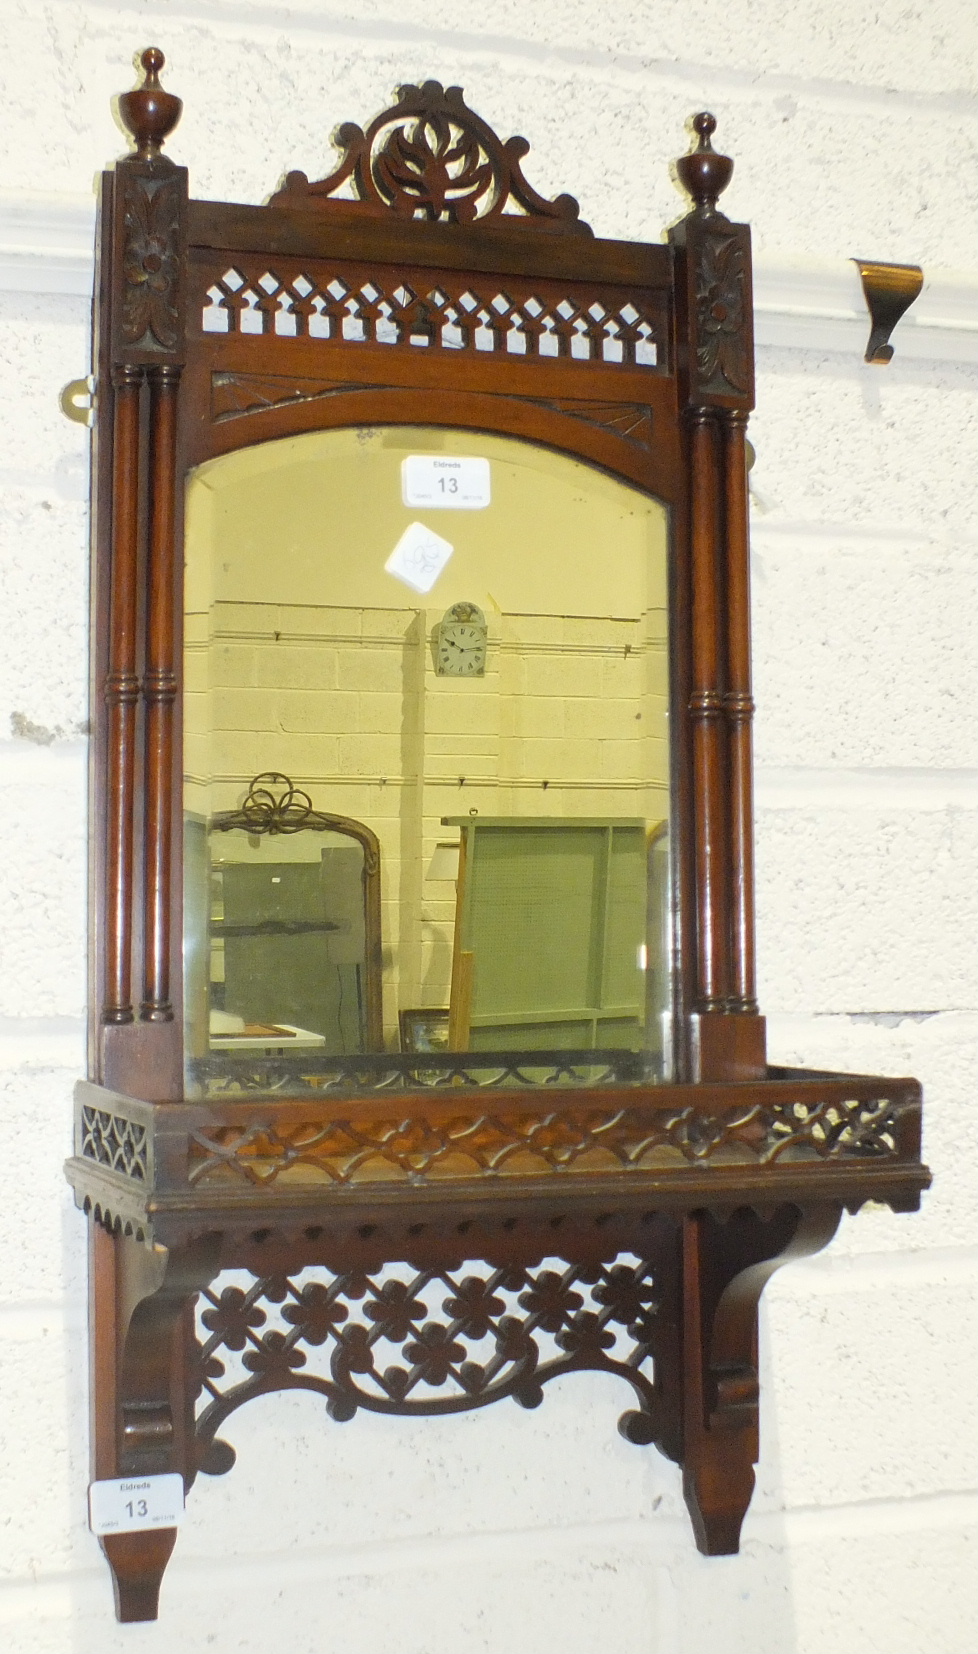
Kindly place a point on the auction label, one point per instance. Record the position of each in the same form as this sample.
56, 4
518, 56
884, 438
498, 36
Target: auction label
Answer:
444, 483
134, 1503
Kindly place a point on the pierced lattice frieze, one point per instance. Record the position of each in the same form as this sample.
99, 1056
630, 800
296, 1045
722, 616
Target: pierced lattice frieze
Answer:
114, 1141
520, 1141
868, 1127
395, 1072
414, 310
399, 1340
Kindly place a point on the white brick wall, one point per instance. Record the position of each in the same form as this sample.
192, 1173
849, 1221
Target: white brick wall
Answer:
505, 1531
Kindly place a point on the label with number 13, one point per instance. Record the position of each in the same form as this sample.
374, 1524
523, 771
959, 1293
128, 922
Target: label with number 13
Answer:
135, 1503
445, 482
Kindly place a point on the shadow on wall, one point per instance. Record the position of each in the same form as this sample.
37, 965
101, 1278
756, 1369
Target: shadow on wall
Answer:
476, 1533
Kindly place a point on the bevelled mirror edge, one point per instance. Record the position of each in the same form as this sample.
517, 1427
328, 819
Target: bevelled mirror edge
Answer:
334, 639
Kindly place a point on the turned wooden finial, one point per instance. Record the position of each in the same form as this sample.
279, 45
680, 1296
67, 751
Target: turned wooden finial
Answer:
704, 174
149, 113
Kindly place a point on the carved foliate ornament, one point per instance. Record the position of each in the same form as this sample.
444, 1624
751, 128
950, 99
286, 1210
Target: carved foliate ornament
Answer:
715, 264
431, 156
721, 293
150, 193
150, 311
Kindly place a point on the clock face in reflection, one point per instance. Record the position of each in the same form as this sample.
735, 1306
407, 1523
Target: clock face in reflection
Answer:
460, 644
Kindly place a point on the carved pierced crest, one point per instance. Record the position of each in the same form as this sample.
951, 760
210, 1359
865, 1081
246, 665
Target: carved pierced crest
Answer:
432, 157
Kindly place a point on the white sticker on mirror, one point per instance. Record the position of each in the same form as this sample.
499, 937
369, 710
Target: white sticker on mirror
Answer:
419, 557
443, 482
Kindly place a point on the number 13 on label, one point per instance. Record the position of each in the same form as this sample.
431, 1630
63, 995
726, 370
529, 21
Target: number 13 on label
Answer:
445, 482
134, 1503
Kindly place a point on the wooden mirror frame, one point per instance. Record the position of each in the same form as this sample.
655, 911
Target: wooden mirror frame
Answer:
274, 806
709, 1183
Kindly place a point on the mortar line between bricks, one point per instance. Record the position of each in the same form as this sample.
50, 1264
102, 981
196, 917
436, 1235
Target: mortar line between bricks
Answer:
835, 1272
385, 33
884, 788
940, 1511
829, 1274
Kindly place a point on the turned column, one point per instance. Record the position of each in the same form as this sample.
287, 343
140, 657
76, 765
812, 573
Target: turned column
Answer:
714, 342
739, 709
142, 256
159, 691
121, 692
708, 723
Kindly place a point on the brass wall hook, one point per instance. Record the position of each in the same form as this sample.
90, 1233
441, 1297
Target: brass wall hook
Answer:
890, 290
77, 401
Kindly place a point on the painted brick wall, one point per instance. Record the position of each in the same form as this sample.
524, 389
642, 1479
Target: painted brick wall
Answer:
507, 1531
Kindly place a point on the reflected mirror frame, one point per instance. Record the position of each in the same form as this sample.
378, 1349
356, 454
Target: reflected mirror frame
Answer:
274, 806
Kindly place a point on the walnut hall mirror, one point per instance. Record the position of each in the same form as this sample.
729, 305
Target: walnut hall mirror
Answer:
426, 1063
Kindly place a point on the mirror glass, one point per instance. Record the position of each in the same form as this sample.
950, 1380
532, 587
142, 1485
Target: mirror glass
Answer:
426, 759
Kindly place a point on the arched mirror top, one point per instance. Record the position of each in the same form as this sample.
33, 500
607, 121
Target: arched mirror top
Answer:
460, 641
425, 267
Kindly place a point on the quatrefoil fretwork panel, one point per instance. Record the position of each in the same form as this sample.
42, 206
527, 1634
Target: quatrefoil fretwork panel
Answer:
427, 310
400, 1340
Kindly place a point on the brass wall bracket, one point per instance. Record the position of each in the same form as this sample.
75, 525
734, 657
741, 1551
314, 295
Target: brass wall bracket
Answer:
890, 290
77, 401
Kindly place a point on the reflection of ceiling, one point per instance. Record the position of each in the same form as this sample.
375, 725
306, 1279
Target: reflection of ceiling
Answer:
312, 520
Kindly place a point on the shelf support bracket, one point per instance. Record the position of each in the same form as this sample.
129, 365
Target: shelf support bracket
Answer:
727, 1261
143, 1398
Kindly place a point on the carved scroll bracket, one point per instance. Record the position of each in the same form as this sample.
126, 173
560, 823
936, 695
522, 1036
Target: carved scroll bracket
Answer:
143, 1307
726, 1265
